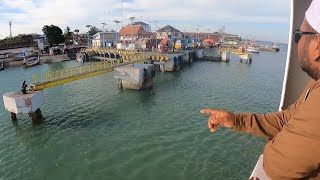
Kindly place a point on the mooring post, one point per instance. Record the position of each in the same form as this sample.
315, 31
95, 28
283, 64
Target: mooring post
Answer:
162, 67
120, 84
13, 116
36, 116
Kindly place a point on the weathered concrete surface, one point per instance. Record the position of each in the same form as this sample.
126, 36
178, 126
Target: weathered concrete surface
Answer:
36, 116
212, 54
136, 77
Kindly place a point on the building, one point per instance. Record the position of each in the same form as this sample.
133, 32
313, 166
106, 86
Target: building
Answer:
135, 32
230, 39
202, 36
104, 39
145, 26
169, 32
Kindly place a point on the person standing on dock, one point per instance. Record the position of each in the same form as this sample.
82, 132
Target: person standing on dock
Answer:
24, 87
294, 133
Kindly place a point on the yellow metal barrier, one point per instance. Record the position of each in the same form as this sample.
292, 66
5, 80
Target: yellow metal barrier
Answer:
70, 72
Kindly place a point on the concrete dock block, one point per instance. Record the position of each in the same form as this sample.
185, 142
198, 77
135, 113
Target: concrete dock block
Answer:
136, 77
16, 102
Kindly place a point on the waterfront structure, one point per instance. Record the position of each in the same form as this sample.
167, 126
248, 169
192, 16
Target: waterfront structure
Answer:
169, 32
135, 32
42, 41
136, 77
104, 39
231, 39
145, 26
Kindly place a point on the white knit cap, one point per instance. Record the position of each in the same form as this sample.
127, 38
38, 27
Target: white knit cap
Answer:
313, 15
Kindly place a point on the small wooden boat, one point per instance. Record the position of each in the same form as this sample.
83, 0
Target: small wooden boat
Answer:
31, 60
80, 57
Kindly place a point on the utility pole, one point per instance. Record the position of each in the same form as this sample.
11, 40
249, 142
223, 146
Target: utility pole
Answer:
10, 25
208, 33
121, 14
199, 32
117, 29
131, 19
155, 23
103, 30
88, 26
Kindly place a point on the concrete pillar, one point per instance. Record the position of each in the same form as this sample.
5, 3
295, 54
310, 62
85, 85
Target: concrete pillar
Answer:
137, 77
36, 116
120, 86
29, 103
13, 116
162, 67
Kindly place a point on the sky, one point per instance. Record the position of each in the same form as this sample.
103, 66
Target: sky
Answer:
263, 20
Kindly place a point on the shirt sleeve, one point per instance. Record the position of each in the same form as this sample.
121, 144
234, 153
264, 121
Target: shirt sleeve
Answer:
294, 152
267, 125
264, 125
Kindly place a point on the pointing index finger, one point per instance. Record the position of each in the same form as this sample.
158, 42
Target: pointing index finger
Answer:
209, 111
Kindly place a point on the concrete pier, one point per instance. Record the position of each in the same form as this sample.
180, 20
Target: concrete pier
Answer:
225, 56
246, 58
189, 56
136, 77
199, 54
19, 103
212, 54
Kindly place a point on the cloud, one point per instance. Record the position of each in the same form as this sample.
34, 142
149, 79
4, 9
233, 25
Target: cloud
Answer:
31, 15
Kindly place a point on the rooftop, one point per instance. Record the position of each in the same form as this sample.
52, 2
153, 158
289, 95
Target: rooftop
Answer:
140, 23
168, 28
135, 30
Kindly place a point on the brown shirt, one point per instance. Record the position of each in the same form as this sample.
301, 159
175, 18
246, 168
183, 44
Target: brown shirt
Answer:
294, 149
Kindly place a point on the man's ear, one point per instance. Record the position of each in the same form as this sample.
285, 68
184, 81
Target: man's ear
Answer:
315, 48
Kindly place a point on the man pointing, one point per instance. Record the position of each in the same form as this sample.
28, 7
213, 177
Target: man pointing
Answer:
293, 151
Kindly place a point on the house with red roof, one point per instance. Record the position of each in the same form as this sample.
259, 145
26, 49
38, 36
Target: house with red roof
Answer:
134, 32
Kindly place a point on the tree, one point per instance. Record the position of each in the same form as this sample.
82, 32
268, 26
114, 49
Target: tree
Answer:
54, 34
67, 35
93, 30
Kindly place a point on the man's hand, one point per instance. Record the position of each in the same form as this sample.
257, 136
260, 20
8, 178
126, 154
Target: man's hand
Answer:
219, 118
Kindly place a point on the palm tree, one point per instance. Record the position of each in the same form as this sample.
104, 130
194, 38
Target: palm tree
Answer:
67, 34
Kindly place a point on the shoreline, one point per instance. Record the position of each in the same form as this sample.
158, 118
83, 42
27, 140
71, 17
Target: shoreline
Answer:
10, 62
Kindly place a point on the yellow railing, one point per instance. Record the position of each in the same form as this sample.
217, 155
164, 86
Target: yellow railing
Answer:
117, 51
75, 71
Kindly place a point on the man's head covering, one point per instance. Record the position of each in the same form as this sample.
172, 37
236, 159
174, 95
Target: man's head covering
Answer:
313, 15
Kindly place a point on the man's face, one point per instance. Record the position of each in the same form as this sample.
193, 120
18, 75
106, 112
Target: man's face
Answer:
304, 52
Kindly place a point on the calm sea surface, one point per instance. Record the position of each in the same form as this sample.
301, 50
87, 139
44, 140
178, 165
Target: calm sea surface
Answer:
93, 130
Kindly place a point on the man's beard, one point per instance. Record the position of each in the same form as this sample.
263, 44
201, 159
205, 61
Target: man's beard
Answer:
305, 64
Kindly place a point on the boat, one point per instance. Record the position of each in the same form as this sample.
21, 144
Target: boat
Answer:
80, 57
253, 47
294, 78
275, 48
31, 59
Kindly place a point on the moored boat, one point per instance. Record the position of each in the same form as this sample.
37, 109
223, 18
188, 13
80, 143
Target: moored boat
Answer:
31, 59
80, 57
253, 49
275, 48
